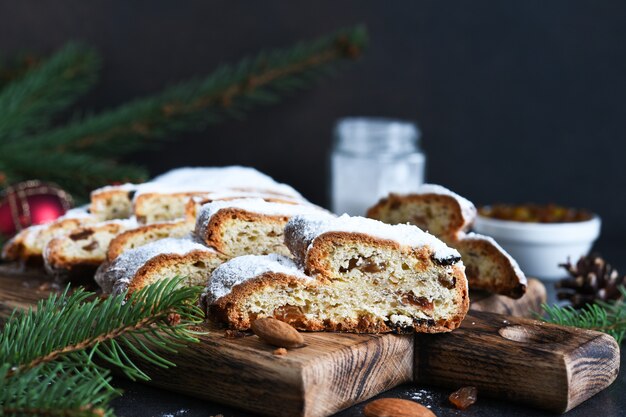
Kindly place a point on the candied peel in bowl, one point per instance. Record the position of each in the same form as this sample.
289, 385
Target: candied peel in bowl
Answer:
535, 213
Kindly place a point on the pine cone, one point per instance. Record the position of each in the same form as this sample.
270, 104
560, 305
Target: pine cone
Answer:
590, 279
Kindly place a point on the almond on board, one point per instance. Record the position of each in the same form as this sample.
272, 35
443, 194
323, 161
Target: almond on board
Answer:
277, 333
396, 407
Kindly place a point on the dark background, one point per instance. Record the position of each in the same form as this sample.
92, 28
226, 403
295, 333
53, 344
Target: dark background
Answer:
517, 100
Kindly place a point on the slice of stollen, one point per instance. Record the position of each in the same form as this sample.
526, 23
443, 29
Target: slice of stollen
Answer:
142, 235
159, 260
82, 250
420, 271
250, 226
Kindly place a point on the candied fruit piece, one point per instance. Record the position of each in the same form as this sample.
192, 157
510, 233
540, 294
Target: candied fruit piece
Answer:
464, 397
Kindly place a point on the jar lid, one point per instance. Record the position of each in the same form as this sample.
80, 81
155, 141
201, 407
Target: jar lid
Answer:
363, 135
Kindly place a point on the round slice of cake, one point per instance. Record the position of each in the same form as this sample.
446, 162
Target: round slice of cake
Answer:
155, 261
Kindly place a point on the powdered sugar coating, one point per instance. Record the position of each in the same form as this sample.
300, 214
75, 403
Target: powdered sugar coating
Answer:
121, 187
244, 268
232, 194
201, 179
76, 213
468, 210
303, 230
115, 277
31, 234
252, 205
207, 179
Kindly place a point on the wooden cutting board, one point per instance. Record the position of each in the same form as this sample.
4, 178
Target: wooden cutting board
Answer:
541, 365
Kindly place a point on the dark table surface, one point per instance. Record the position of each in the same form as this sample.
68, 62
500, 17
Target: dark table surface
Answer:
141, 400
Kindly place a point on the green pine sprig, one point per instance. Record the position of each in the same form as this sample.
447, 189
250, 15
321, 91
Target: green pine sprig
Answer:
29, 104
607, 317
52, 348
56, 390
92, 144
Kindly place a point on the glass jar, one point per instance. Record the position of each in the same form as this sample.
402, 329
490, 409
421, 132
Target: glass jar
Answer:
372, 157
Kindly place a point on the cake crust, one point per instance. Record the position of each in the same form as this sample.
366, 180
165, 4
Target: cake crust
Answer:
143, 235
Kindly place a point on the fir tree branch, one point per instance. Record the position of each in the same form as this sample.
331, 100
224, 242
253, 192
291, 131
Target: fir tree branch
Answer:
28, 104
77, 172
605, 317
57, 389
229, 92
11, 71
68, 325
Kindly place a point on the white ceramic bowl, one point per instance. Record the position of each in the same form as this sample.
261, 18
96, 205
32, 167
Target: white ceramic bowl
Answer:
539, 248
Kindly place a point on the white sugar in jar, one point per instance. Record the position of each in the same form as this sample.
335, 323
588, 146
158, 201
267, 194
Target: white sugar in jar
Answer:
372, 157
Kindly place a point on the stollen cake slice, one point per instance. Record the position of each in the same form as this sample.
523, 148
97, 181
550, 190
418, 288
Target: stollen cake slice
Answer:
410, 277
449, 216
155, 261
83, 249
28, 245
145, 234
484, 257
165, 197
113, 201
250, 226
432, 208
422, 288
196, 202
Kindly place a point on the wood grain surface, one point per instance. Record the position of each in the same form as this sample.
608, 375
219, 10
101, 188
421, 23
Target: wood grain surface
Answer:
538, 364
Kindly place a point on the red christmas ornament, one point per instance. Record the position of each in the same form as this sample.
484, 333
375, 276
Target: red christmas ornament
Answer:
31, 202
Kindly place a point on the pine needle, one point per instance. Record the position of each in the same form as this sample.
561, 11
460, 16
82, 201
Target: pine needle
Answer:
230, 92
56, 389
29, 104
47, 353
65, 324
605, 317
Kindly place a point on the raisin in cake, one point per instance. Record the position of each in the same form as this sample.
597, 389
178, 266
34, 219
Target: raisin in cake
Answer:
155, 261
366, 277
145, 234
83, 249
28, 245
449, 216
250, 226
